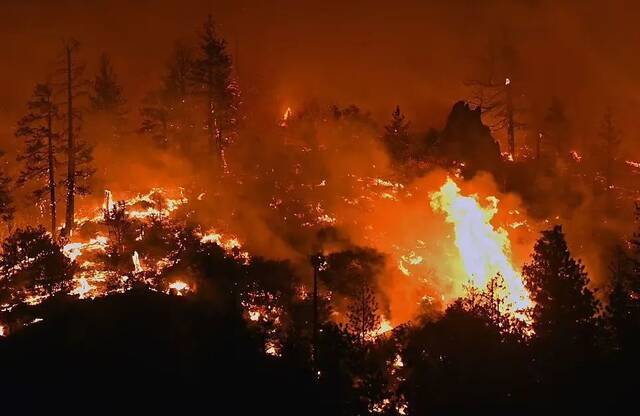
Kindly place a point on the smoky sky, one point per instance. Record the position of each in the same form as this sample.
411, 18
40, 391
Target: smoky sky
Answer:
375, 54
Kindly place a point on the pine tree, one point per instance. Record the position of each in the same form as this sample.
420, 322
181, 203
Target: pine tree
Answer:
41, 148
167, 113
396, 137
564, 307
610, 136
106, 93
363, 313
623, 309
212, 79
556, 127
79, 153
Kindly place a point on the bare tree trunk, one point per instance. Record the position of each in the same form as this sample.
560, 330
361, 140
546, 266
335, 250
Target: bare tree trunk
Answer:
52, 178
511, 135
71, 152
210, 119
364, 325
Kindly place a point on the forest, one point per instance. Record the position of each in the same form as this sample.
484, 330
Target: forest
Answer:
202, 239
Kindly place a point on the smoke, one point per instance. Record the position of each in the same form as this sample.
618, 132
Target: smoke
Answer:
326, 170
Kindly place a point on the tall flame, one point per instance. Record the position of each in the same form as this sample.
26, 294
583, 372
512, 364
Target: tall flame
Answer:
485, 250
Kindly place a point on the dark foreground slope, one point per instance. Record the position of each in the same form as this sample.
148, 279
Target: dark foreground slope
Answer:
147, 349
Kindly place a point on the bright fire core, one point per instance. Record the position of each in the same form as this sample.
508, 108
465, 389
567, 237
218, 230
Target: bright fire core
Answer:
485, 251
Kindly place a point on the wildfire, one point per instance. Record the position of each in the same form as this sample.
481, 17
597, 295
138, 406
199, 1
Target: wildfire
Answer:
485, 251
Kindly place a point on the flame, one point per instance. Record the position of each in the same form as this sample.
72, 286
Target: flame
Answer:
3, 331
485, 251
108, 200
137, 267
75, 249
575, 156
179, 287
633, 164
83, 288
285, 117
229, 243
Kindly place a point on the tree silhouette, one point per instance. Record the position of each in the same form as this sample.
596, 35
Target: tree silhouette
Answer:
556, 128
106, 95
396, 137
565, 320
42, 146
564, 306
7, 207
212, 79
624, 306
610, 138
493, 90
79, 153
167, 113
363, 316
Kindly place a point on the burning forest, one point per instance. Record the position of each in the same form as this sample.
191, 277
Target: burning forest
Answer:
195, 224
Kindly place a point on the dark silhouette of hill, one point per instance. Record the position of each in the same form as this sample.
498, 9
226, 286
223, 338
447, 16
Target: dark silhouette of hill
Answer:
145, 348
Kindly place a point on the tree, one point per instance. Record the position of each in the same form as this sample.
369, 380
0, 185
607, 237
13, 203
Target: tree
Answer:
491, 304
565, 321
623, 309
564, 306
7, 208
106, 94
212, 79
493, 90
396, 137
32, 265
610, 137
556, 127
42, 145
118, 224
167, 113
363, 316
79, 153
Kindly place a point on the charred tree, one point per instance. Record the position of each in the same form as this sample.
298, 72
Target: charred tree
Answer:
106, 96
7, 207
363, 315
556, 128
212, 79
493, 91
41, 148
396, 137
79, 153
610, 143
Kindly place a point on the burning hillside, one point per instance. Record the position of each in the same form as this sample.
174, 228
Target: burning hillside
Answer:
213, 232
